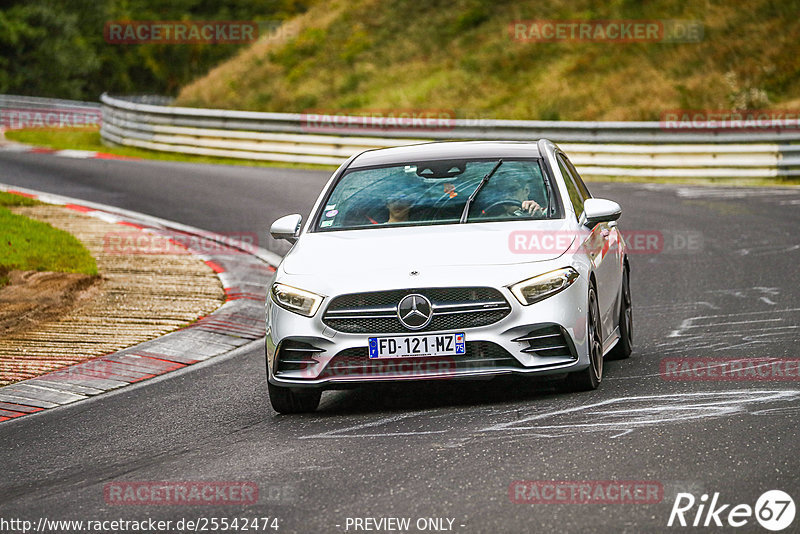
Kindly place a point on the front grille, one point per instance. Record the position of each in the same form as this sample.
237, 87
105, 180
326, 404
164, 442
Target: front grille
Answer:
453, 308
548, 340
295, 356
355, 362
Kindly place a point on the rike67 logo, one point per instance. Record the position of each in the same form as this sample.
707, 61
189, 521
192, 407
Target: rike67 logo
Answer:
774, 510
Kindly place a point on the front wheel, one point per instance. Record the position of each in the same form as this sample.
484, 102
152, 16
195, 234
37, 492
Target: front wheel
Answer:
288, 400
590, 378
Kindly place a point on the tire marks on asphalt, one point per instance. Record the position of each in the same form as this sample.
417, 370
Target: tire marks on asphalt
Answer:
616, 417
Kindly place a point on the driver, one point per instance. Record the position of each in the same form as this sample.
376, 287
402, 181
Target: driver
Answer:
512, 193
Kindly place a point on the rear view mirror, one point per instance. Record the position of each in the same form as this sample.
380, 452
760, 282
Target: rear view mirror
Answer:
287, 227
598, 210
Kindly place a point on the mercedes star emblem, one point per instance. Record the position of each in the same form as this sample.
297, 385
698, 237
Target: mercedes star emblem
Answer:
414, 311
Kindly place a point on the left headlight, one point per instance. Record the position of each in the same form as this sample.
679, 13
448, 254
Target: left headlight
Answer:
543, 286
296, 300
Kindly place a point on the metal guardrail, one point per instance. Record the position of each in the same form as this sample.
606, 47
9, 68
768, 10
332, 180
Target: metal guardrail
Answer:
635, 149
28, 111
640, 149
35, 102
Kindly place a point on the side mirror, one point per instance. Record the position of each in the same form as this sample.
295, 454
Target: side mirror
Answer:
598, 210
287, 227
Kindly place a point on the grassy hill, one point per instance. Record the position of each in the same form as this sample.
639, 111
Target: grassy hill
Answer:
459, 55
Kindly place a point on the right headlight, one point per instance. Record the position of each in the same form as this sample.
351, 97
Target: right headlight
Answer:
296, 300
544, 285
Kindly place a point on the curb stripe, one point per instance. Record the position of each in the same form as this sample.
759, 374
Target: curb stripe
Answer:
18, 407
76, 207
215, 266
103, 155
67, 153
134, 225
20, 193
166, 358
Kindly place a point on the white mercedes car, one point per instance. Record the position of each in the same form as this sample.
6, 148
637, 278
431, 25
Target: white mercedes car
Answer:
453, 260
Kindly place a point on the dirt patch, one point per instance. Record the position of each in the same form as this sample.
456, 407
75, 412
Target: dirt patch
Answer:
32, 297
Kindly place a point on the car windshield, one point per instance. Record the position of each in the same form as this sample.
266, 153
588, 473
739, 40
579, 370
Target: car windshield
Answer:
435, 192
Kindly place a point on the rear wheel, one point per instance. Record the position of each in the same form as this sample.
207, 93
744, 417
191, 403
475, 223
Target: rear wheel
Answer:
624, 346
589, 378
288, 400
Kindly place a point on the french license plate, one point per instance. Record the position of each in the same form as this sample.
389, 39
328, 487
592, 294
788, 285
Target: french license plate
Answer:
417, 346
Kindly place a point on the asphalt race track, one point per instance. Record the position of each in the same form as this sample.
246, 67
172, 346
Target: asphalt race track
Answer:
724, 283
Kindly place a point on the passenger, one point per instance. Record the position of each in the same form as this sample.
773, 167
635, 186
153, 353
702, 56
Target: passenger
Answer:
399, 205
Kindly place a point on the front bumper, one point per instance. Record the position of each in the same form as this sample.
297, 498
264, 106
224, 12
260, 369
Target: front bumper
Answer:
304, 352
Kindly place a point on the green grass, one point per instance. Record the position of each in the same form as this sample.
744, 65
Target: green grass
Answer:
83, 139
361, 55
29, 245
9, 199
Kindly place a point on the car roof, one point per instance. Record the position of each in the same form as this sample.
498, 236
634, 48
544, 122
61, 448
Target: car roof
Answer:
446, 150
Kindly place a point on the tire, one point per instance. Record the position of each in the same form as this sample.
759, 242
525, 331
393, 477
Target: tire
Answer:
287, 400
624, 346
590, 378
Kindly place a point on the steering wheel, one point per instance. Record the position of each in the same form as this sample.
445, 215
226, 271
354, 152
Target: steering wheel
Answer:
500, 203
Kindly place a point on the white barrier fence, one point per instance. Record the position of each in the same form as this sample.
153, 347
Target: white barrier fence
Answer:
639, 149
32, 112
634, 149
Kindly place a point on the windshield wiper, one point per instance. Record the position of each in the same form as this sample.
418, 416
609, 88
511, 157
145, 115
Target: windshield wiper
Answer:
484, 181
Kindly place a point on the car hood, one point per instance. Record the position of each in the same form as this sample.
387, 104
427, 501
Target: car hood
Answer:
410, 248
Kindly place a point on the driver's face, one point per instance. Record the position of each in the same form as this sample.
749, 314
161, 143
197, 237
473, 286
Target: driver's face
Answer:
523, 192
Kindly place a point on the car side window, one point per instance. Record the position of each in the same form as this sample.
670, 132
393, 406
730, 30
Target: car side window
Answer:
578, 180
575, 196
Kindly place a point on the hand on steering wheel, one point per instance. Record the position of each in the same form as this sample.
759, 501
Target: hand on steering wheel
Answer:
531, 206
